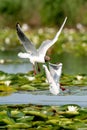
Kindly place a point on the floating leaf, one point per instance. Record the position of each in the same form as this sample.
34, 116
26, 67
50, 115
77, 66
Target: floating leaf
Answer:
38, 115
27, 87
4, 88
25, 119
8, 121
19, 126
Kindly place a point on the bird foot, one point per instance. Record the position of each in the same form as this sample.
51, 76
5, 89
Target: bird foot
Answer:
35, 72
63, 89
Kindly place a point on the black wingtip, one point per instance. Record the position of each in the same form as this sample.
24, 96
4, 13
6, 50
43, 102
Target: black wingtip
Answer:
19, 32
17, 25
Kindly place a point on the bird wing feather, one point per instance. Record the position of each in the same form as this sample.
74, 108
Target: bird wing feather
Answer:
29, 47
55, 71
48, 43
48, 75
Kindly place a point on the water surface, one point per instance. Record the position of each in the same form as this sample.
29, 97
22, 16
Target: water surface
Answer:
16, 67
72, 64
75, 95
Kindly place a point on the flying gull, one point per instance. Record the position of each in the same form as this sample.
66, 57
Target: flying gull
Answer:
33, 54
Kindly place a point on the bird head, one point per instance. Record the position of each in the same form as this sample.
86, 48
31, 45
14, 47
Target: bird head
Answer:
47, 58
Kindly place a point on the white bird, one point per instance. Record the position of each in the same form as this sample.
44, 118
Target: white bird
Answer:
33, 54
55, 70
53, 77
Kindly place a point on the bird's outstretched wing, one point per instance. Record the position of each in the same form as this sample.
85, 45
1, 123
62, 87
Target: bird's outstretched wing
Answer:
29, 47
48, 75
48, 43
55, 70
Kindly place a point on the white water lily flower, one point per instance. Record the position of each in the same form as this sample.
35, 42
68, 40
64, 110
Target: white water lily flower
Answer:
7, 82
7, 40
2, 61
72, 108
70, 38
44, 112
40, 31
84, 45
50, 30
79, 77
80, 27
35, 39
25, 27
30, 78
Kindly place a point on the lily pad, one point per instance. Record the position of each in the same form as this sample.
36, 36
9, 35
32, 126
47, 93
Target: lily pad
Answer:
28, 87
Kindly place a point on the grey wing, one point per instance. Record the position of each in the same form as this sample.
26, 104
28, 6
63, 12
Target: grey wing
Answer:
55, 71
44, 47
48, 43
52, 70
29, 47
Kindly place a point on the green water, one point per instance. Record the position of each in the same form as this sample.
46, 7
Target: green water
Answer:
14, 64
72, 64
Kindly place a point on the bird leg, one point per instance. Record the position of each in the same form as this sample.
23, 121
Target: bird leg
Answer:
62, 88
34, 68
38, 67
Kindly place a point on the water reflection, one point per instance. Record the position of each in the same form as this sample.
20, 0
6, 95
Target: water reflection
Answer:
16, 68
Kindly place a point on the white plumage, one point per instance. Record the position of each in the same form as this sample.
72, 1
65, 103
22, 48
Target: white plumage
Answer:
33, 54
53, 77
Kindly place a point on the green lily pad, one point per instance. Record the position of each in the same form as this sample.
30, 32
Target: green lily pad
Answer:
4, 88
28, 87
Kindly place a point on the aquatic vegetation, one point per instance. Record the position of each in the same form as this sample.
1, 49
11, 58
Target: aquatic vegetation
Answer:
29, 82
71, 117
73, 80
39, 117
72, 109
4, 88
70, 40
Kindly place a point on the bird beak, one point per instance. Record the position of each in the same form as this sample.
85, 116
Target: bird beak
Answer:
47, 58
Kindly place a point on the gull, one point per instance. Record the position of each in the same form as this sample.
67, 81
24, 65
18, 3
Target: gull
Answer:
53, 77
33, 54
56, 70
